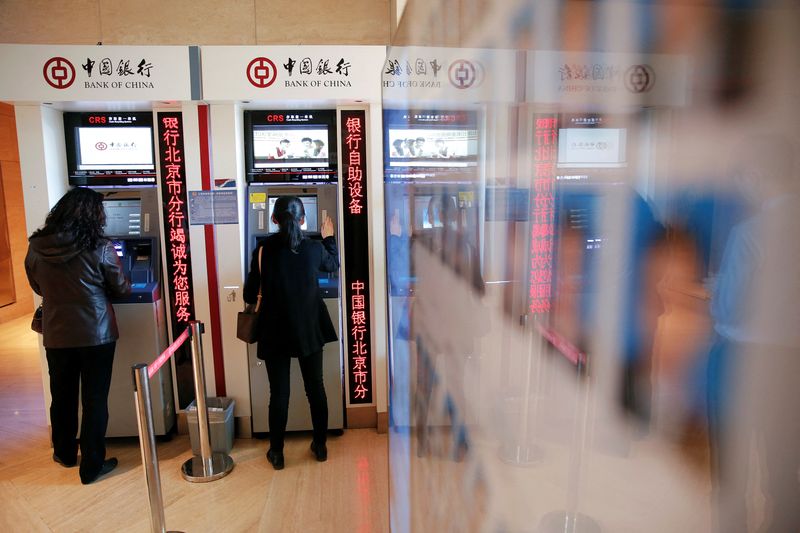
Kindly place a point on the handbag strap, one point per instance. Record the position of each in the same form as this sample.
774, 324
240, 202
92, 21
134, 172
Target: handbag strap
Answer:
258, 301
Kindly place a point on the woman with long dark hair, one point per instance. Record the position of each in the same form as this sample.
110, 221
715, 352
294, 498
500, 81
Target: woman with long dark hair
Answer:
74, 268
294, 321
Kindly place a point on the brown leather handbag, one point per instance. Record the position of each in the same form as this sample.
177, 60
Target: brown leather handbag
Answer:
36, 323
247, 320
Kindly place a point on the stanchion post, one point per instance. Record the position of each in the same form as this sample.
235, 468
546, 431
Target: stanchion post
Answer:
209, 465
521, 452
200, 392
570, 520
147, 440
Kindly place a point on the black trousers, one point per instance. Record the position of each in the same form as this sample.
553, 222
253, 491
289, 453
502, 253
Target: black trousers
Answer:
90, 367
278, 374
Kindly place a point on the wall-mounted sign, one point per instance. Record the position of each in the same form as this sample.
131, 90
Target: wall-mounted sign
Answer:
453, 74
564, 77
545, 155
356, 258
292, 72
213, 207
57, 73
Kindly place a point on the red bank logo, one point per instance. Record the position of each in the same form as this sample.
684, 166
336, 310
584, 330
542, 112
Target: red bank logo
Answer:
464, 74
101, 146
261, 72
640, 78
58, 73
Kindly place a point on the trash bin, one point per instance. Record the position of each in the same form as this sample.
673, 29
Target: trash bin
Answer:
220, 424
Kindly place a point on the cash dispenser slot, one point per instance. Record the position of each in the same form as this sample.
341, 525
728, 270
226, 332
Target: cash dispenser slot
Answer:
138, 263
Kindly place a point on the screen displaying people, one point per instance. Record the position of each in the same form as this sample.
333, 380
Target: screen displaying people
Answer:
272, 147
433, 147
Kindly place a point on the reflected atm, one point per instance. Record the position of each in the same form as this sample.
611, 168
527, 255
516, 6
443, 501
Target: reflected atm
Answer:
293, 153
113, 154
430, 156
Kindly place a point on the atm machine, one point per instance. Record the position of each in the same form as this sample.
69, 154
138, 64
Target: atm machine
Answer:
280, 161
113, 154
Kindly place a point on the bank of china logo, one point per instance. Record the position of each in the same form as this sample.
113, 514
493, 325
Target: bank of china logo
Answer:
464, 74
101, 145
58, 73
640, 78
261, 72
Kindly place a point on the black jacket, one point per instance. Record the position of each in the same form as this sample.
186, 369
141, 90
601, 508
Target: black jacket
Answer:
75, 285
293, 320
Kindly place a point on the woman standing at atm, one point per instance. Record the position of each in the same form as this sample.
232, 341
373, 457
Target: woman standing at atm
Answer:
294, 321
75, 269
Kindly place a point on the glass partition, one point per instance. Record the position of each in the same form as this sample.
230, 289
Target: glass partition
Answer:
593, 312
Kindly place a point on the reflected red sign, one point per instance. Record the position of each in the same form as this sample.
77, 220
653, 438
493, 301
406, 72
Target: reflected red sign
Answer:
545, 156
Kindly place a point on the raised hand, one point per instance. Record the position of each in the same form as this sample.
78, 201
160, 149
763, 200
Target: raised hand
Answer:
327, 227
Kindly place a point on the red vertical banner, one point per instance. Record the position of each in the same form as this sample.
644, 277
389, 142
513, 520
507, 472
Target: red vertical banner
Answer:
176, 233
545, 157
356, 256
211, 256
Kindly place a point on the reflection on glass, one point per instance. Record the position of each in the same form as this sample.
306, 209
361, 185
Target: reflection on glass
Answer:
593, 314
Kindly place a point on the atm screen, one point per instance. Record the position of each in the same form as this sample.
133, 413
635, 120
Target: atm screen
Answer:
432, 145
591, 147
423, 217
123, 217
115, 149
283, 146
110, 148
310, 206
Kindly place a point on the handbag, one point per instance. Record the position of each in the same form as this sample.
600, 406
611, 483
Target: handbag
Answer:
36, 322
247, 320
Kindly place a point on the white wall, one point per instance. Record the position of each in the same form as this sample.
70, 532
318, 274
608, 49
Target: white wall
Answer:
227, 161
43, 164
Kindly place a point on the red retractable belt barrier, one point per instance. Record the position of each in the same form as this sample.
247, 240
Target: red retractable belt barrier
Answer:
564, 346
156, 365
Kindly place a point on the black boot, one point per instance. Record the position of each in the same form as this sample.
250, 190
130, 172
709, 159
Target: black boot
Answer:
275, 459
320, 451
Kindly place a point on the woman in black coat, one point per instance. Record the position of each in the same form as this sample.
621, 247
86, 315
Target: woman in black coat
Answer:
75, 269
293, 319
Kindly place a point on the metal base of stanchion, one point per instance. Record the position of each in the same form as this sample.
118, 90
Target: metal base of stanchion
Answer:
195, 471
527, 455
566, 522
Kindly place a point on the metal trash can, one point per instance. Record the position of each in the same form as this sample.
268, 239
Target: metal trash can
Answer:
220, 424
